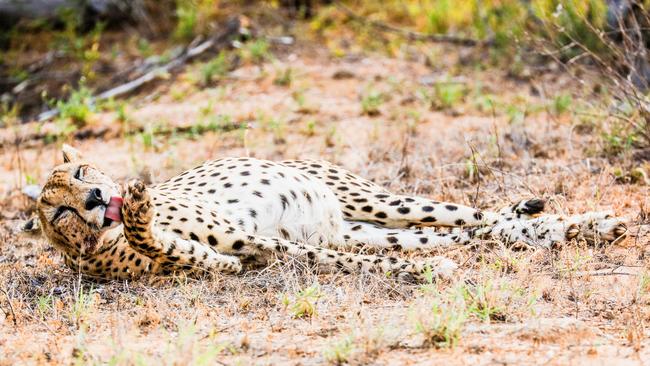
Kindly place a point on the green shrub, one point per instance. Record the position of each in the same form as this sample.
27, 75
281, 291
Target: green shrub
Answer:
78, 107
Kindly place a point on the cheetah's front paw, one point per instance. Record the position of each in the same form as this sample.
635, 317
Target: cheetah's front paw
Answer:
231, 265
431, 269
137, 204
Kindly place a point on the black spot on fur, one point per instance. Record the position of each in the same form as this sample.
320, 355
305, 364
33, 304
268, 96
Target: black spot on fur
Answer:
212, 240
403, 210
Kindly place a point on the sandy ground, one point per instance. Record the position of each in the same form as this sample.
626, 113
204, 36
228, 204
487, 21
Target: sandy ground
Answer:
576, 305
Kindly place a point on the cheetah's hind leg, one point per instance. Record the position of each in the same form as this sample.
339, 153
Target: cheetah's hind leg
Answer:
358, 234
438, 267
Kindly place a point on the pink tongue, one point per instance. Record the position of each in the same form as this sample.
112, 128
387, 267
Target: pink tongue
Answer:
114, 209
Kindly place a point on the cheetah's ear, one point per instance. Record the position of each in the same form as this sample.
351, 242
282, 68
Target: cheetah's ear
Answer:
70, 154
31, 227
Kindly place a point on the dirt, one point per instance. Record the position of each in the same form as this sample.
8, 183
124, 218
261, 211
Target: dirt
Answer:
575, 305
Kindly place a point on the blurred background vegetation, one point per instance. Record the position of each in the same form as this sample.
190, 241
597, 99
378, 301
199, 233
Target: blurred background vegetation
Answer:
62, 61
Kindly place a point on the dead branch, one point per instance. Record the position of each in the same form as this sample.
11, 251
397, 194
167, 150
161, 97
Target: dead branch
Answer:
221, 40
412, 35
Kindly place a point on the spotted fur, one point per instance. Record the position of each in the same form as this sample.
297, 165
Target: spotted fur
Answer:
229, 214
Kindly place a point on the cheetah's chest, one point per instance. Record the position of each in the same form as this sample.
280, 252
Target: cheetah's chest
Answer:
265, 198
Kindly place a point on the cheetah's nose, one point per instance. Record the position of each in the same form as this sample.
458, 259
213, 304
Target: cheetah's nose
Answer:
94, 199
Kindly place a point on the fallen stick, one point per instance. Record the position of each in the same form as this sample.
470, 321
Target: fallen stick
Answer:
232, 30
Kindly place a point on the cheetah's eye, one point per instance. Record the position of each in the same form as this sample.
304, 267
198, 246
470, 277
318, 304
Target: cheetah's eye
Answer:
79, 174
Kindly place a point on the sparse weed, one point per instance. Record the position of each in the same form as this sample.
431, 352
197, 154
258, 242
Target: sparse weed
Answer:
516, 115
78, 107
443, 322
148, 138
206, 110
213, 70
121, 113
62, 129
9, 115
617, 139
178, 94
303, 304
277, 126
144, 47
371, 101
193, 17
448, 95
187, 18
304, 105
284, 77
572, 263
485, 103
84, 302
572, 23
44, 306
257, 51
84, 47
310, 127
562, 103
339, 351
442, 96
484, 301
331, 137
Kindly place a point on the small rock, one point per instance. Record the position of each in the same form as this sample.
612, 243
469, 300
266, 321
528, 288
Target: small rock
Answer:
343, 74
32, 191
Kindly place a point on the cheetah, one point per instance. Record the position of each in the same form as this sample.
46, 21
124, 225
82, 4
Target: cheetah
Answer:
232, 214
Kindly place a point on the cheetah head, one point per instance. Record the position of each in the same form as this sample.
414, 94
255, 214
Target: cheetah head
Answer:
75, 208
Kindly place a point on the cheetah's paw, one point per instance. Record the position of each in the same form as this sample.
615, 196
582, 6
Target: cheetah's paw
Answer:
137, 204
598, 227
441, 267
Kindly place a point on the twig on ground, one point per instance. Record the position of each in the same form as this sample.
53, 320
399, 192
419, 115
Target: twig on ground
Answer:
478, 174
11, 307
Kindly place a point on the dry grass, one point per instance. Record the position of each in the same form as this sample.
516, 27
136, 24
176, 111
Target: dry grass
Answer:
574, 305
